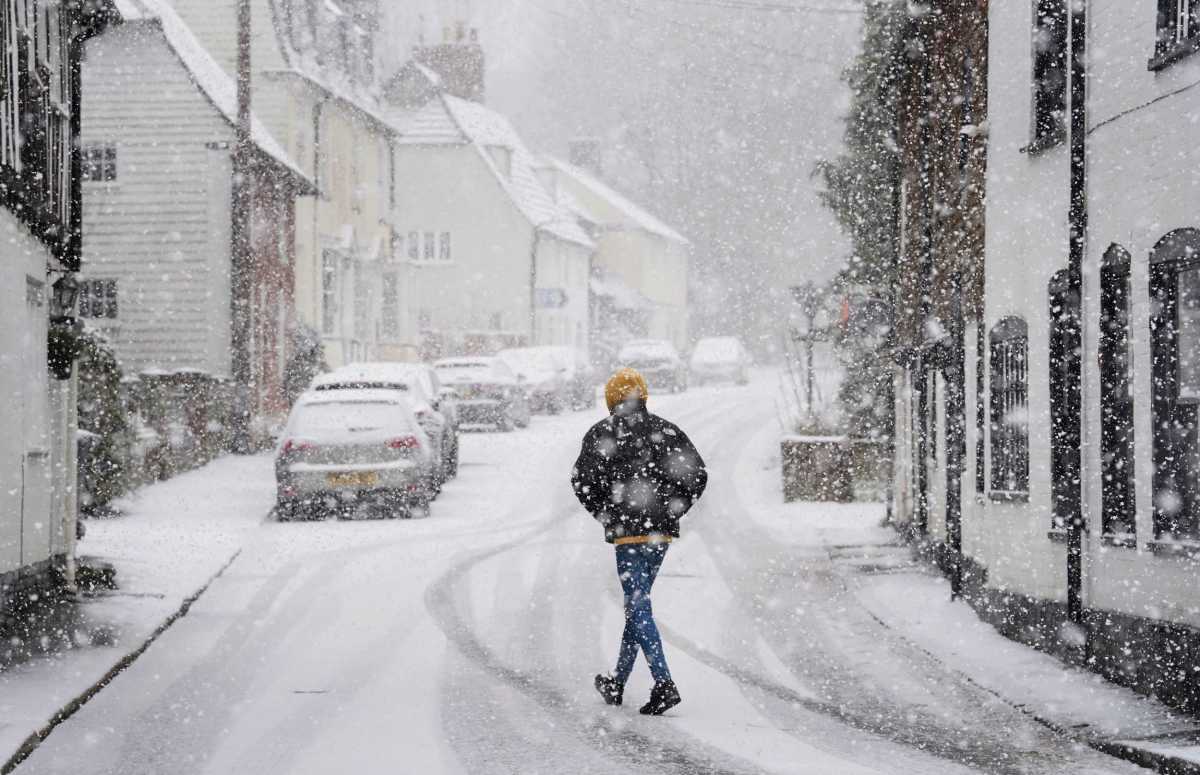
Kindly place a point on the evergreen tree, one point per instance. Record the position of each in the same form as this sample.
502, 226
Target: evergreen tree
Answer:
103, 471
862, 190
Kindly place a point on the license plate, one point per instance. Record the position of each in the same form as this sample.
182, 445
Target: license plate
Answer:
353, 479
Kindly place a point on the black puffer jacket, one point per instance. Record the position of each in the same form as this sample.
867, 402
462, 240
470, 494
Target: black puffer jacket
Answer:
638, 474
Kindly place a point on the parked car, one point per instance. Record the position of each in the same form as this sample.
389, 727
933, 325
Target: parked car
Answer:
541, 375
720, 358
485, 391
419, 384
658, 361
577, 374
344, 448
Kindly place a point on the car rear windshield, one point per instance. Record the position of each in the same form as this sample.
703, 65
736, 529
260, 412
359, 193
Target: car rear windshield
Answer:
357, 384
349, 416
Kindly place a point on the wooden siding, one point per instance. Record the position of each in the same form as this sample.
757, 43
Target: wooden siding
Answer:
162, 228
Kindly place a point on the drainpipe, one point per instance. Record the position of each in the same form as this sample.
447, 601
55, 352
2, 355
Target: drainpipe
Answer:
1077, 58
926, 305
533, 262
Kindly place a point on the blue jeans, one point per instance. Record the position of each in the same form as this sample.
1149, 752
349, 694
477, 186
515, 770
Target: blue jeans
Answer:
637, 566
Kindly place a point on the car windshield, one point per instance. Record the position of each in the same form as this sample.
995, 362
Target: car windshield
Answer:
353, 416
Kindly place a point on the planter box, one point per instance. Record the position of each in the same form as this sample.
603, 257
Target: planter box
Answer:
817, 468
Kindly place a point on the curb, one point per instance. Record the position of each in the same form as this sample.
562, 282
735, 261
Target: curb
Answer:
1125, 750
26, 749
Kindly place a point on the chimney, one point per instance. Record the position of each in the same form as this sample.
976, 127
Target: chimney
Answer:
584, 152
458, 59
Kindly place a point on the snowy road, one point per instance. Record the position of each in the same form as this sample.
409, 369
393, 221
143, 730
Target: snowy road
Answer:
466, 642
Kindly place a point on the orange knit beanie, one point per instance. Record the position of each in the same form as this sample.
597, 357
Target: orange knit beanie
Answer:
623, 385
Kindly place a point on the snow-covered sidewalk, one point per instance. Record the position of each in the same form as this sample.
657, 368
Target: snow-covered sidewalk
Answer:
914, 602
172, 539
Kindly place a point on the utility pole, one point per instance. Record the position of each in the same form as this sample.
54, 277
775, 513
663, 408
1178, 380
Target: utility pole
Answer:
241, 269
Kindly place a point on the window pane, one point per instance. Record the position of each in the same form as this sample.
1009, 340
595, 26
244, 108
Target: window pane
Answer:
110, 299
429, 246
1188, 326
444, 253
414, 245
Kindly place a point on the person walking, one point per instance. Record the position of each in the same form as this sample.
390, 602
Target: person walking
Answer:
637, 475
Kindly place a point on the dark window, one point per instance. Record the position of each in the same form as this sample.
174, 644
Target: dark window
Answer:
980, 408
99, 162
429, 247
414, 246
37, 144
1175, 380
98, 299
1010, 410
1049, 72
1178, 25
1116, 398
444, 246
1064, 401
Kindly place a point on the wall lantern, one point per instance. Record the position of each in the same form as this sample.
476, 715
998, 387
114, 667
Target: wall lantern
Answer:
65, 292
62, 346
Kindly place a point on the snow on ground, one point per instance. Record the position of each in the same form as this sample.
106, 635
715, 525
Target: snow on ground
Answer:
466, 642
173, 537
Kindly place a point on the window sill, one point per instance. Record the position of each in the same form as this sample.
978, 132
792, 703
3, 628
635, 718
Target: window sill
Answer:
1058, 535
1187, 549
1040, 145
1121, 540
1006, 496
1173, 54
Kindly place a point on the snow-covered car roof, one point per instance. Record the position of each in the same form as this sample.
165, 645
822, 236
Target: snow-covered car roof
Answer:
413, 377
658, 348
353, 395
721, 347
451, 369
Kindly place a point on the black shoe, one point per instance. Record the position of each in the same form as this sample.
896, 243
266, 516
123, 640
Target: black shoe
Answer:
663, 697
610, 689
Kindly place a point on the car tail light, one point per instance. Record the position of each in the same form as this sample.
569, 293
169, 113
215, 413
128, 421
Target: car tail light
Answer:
292, 445
405, 442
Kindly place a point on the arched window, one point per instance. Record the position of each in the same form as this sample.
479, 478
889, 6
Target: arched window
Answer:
1175, 381
1117, 510
1010, 407
1064, 385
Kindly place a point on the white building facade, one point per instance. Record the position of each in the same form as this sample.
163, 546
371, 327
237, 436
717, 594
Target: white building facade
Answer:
1138, 449
40, 230
485, 256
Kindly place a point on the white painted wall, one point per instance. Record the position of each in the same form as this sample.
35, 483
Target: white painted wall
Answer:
28, 533
566, 266
1026, 243
450, 188
1142, 184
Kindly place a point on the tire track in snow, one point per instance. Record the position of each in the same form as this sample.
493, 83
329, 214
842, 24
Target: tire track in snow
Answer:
981, 731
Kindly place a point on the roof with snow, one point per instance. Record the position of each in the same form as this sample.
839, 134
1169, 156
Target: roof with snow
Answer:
448, 120
633, 212
208, 76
